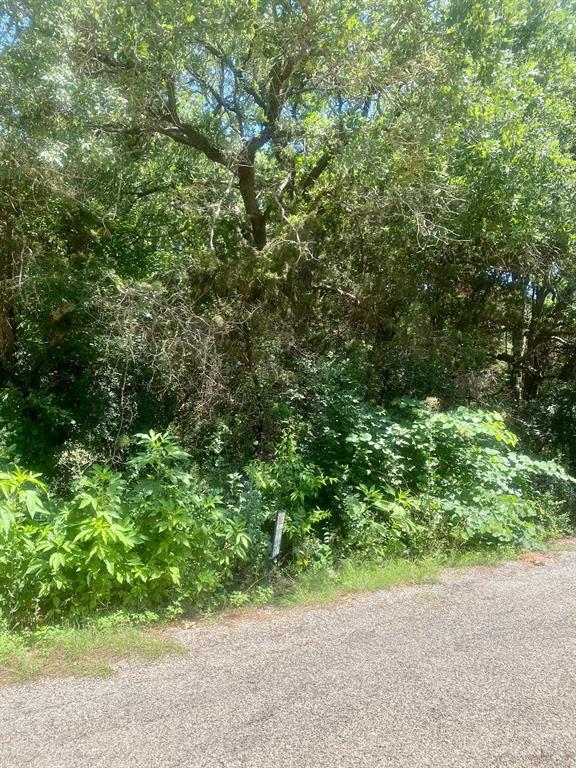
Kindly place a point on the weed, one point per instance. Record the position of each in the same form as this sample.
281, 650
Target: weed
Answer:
78, 652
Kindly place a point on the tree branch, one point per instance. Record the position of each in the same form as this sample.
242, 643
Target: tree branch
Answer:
185, 133
317, 170
238, 73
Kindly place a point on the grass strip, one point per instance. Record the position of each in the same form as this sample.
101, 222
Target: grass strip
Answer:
78, 652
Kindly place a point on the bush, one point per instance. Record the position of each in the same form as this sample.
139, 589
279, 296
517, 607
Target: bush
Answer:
448, 478
141, 539
401, 482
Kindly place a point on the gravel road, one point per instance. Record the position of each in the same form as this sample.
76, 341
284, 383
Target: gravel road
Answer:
479, 670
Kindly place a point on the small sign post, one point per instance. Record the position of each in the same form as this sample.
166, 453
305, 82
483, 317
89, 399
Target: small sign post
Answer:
277, 540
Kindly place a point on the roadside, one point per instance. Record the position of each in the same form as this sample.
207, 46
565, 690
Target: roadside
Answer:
97, 649
475, 671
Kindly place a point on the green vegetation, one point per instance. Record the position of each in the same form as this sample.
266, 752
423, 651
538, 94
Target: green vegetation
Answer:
357, 576
93, 649
316, 256
77, 652
157, 535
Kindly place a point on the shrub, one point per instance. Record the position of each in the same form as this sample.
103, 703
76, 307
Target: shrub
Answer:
292, 484
418, 478
404, 481
143, 539
23, 519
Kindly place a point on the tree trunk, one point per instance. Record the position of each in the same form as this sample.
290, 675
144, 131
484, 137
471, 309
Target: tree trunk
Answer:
7, 338
247, 186
536, 352
6, 332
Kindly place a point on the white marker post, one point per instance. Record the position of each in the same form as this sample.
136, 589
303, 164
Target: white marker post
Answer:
277, 540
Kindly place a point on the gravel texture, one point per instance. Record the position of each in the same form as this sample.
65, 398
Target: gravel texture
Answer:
479, 670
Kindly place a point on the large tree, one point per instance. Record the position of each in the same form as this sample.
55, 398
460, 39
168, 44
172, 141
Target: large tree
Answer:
197, 194
268, 92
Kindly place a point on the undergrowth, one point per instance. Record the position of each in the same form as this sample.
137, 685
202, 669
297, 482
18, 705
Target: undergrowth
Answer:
362, 484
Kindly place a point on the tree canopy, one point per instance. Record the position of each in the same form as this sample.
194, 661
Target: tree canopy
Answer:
202, 202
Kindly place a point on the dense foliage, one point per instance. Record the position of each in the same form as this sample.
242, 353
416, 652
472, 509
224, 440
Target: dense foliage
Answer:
157, 535
270, 231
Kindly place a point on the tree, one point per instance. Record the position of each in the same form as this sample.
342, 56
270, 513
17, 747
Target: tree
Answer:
199, 195
267, 92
